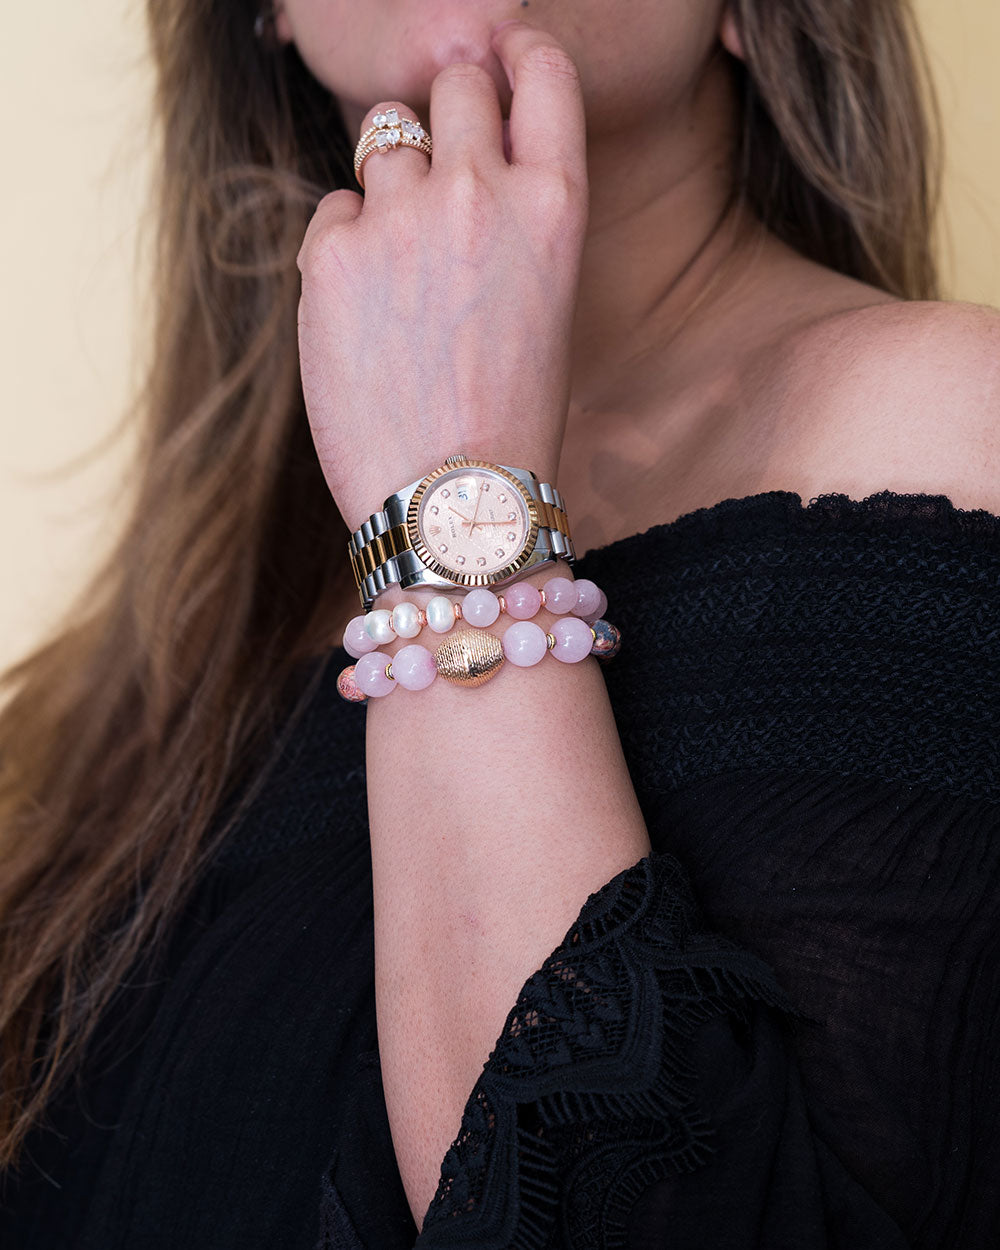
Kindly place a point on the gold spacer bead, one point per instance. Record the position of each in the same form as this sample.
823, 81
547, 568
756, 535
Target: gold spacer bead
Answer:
388, 671
550, 641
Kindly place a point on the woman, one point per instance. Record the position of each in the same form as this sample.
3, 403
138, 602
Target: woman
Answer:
688, 948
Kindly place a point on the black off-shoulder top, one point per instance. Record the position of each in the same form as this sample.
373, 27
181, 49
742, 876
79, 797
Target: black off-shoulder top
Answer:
778, 1030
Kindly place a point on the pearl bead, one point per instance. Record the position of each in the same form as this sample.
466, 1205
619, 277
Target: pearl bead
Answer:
573, 639
378, 626
524, 643
440, 614
369, 674
406, 620
356, 640
480, 607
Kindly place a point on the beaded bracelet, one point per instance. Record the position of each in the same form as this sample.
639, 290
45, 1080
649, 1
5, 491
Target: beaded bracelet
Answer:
472, 656
480, 607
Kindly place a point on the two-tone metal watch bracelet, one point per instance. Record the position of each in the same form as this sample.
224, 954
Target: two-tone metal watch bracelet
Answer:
381, 553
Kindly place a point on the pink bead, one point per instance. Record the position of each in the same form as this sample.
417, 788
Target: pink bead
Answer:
524, 643
356, 640
369, 674
602, 607
480, 607
560, 595
413, 667
523, 601
573, 639
588, 597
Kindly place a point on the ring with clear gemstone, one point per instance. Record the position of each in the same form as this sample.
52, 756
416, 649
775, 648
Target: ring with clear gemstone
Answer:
387, 131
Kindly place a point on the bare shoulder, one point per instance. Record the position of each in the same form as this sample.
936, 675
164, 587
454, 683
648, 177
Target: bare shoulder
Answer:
900, 396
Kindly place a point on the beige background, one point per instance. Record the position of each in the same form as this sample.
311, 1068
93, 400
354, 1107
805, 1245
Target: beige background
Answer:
73, 91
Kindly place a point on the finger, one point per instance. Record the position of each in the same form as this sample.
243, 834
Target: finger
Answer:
394, 164
465, 116
336, 208
547, 125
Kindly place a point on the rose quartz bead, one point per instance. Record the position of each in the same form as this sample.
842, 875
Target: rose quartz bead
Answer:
413, 667
369, 674
602, 607
523, 601
480, 607
560, 595
588, 597
573, 639
356, 639
524, 643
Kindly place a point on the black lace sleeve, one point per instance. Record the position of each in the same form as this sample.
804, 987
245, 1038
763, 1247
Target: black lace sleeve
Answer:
642, 1047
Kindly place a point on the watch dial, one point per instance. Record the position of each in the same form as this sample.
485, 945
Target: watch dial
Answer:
473, 521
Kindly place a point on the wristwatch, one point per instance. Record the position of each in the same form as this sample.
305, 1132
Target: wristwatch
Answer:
467, 523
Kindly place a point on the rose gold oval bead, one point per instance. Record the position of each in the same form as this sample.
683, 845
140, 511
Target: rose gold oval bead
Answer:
458, 611
422, 618
503, 603
541, 594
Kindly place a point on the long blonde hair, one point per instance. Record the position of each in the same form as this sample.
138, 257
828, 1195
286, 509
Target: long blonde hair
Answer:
159, 691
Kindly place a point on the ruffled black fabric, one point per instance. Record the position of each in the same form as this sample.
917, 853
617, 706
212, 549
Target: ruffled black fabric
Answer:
779, 1029
589, 1096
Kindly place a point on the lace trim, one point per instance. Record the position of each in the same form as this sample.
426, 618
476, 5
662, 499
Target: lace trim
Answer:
588, 1096
887, 512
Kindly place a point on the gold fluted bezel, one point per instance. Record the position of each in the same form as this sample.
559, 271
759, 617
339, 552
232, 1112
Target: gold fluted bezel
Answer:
442, 570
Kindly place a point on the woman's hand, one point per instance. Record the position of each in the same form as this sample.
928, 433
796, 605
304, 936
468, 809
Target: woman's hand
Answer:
436, 312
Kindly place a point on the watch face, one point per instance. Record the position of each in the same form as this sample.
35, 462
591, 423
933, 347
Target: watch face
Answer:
474, 522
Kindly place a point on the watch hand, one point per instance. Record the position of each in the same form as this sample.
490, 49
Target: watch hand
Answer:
457, 513
479, 500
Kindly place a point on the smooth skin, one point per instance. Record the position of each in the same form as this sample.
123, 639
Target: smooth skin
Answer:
562, 310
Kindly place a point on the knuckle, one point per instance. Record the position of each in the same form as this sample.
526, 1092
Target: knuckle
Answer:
326, 226
463, 73
560, 195
548, 58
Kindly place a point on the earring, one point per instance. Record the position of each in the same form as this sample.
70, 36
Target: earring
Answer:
264, 25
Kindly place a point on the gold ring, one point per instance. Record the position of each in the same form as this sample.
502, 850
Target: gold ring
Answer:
387, 131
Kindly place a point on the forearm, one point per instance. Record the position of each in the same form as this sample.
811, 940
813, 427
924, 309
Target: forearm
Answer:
494, 813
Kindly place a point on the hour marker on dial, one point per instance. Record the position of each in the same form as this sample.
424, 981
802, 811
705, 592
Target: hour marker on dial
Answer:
445, 493
511, 536
499, 551
460, 559
443, 547
486, 486
481, 560
502, 498
435, 510
435, 529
